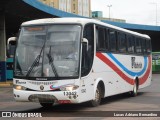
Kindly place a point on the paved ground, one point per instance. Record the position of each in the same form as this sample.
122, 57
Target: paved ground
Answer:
148, 99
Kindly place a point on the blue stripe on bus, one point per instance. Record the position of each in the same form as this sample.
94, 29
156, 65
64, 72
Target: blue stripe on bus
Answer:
128, 71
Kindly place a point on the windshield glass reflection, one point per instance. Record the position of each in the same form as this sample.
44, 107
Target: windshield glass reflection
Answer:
48, 51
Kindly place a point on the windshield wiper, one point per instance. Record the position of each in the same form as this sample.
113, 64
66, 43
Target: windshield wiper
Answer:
51, 62
36, 62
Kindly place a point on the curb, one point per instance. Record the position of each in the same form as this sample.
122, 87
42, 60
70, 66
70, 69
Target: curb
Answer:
6, 84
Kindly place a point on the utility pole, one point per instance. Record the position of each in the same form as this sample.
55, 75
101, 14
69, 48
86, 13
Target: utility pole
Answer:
109, 6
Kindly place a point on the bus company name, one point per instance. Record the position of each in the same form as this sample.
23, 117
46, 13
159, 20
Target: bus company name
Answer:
20, 82
135, 64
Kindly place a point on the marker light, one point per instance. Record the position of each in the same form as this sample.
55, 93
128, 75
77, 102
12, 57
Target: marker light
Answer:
69, 87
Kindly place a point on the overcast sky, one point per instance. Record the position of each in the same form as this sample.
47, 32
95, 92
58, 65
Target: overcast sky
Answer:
133, 11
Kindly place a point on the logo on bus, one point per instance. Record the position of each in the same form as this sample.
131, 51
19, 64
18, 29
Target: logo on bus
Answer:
135, 64
41, 87
20, 82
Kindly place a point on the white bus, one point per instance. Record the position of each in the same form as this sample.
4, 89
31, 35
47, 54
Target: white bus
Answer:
75, 60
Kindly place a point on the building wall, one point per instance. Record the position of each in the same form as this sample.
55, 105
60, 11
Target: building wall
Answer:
69, 6
86, 7
79, 7
52, 3
74, 6
63, 5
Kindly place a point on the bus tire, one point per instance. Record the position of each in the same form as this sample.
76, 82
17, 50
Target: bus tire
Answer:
46, 105
98, 96
134, 92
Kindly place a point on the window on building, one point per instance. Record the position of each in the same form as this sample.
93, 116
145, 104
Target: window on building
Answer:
52, 4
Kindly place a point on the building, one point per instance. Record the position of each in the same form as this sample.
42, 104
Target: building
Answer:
79, 7
97, 14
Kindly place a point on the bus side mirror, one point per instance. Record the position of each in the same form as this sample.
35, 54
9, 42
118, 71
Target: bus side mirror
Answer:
85, 43
11, 42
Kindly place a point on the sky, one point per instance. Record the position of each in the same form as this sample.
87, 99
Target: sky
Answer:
133, 11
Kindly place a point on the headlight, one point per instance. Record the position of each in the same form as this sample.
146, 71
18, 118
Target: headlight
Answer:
19, 87
69, 88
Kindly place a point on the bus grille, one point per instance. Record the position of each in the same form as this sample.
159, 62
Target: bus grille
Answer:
42, 98
41, 83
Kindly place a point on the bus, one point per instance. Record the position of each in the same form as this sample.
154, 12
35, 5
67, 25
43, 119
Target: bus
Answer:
75, 60
155, 62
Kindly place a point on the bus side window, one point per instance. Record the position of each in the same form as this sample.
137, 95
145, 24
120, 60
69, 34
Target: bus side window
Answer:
144, 46
112, 40
148, 46
138, 46
101, 38
131, 44
121, 42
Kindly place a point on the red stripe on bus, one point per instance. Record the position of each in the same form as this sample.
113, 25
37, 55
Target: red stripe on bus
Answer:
146, 75
120, 73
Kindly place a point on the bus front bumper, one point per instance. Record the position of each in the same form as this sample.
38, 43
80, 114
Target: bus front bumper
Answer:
57, 97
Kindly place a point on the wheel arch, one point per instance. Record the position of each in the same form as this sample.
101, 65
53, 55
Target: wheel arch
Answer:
100, 82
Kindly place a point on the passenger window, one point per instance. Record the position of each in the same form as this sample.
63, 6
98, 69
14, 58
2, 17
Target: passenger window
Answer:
144, 46
148, 46
112, 40
101, 38
131, 44
122, 42
138, 46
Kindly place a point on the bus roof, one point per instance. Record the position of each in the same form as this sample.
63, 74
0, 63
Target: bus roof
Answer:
82, 21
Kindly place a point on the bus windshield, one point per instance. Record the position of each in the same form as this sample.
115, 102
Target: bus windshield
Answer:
48, 51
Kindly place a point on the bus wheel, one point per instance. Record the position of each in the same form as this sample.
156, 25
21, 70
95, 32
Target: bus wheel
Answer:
135, 89
98, 96
46, 105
